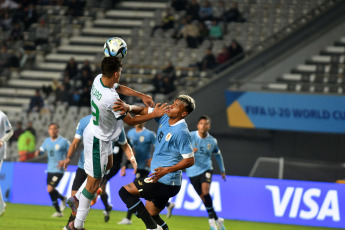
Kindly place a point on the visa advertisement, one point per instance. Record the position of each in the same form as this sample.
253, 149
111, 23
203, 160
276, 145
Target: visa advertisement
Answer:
284, 111
240, 198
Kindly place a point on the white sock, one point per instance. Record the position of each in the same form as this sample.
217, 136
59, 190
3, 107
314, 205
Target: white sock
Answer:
80, 189
83, 211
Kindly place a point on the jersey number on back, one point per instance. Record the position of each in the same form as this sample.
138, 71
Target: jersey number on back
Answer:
95, 113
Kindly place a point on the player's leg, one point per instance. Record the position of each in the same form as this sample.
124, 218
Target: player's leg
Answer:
130, 196
141, 173
96, 159
154, 212
104, 196
2, 203
53, 180
79, 179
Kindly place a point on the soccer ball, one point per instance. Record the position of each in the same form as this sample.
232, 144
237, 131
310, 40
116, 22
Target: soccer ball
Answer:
115, 47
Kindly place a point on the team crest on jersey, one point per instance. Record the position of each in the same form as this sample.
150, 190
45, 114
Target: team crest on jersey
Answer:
209, 146
57, 147
168, 137
141, 138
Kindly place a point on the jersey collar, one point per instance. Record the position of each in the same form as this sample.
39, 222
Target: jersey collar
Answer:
197, 132
180, 121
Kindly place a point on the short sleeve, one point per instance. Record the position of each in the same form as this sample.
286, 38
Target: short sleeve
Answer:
216, 149
122, 138
43, 146
79, 132
185, 145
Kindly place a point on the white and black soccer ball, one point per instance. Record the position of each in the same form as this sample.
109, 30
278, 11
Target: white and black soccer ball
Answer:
115, 47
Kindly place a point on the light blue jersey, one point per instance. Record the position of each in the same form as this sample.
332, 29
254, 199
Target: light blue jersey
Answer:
83, 123
56, 151
203, 162
79, 135
173, 143
142, 143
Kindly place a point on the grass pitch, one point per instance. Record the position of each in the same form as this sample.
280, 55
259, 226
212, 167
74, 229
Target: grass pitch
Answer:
34, 217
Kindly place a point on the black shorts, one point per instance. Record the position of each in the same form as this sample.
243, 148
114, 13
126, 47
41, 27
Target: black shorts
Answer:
141, 173
116, 167
80, 177
53, 179
158, 193
205, 177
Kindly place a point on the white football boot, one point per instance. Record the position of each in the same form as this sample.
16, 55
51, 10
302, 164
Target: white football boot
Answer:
213, 225
220, 224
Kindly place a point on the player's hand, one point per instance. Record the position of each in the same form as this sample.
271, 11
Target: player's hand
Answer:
160, 109
195, 150
1, 143
120, 105
223, 176
147, 99
123, 171
65, 163
134, 164
159, 173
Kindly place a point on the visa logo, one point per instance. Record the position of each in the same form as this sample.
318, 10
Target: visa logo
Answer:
189, 199
316, 208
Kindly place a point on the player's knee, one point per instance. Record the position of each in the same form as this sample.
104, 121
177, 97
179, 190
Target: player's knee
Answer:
123, 193
127, 197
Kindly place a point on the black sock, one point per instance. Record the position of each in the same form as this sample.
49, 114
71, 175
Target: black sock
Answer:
160, 222
70, 219
209, 207
129, 215
53, 197
58, 195
137, 207
104, 198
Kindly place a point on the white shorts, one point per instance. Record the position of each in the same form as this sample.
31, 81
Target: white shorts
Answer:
96, 154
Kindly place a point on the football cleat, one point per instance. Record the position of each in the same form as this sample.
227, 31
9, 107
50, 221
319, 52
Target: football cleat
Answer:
158, 228
220, 224
106, 213
125, 221
57, 214
71, 226
213, 225
73, 203
169, 209
94, 201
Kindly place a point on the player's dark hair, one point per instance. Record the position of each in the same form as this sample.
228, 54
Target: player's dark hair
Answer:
204, 117
53, 123
188, 102
110, 65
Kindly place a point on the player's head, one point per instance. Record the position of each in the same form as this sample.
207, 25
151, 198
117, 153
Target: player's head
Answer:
141, 125
53, 130
111, 67
204, 124
182, 106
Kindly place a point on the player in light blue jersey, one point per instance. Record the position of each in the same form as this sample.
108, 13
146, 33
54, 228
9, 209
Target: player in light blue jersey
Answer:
200, 174
173, 153
56, 148
142, 141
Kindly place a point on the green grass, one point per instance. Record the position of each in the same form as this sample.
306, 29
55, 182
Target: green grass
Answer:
34, 217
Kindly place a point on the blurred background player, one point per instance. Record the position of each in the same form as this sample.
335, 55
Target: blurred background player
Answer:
56, 148
173, 152
6, 132
200, 174
142, 141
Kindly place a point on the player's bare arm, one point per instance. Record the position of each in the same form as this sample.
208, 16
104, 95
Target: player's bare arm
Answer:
71, 151
159, 110
130, 156
124, 90
122, 106
162, 171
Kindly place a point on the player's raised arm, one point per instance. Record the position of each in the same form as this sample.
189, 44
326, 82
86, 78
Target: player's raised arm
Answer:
70, 154
124, 90
130, 156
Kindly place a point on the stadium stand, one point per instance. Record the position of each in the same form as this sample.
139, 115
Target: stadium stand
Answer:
82, 37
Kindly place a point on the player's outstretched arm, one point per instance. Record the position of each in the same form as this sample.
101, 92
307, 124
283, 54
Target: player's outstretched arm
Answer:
147, 99
159, 110
130, 156
162, 171
71, 151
